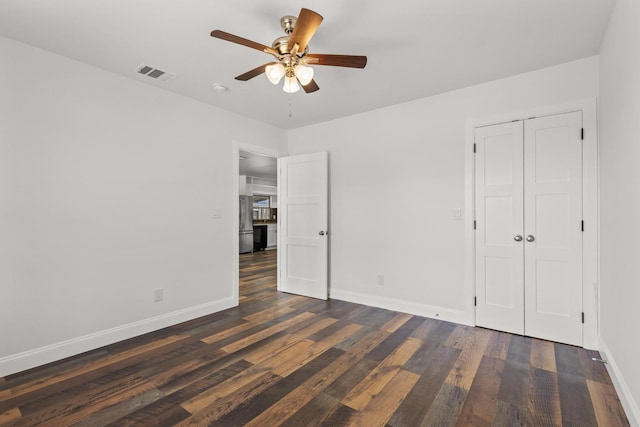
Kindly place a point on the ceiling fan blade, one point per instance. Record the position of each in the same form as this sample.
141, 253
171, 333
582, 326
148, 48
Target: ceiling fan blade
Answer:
253, 73
305, 27
311, 87
244, 42
352, 61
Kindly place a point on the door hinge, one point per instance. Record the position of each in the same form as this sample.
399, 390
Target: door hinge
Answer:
474, 147
475, 301
582, 225
583, 317
474, 224
582, 133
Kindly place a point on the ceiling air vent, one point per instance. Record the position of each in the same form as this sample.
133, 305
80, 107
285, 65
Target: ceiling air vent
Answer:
156, 74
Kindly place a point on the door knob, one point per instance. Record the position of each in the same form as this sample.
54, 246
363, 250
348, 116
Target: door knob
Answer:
518, 238
321, 233
530, 238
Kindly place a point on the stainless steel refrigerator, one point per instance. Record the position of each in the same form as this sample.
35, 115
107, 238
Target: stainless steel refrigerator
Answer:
246, 224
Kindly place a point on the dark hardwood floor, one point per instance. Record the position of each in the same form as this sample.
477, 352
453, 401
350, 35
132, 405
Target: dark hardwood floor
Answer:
281, 359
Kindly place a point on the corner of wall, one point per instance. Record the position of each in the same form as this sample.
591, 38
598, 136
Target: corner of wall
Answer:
626, 398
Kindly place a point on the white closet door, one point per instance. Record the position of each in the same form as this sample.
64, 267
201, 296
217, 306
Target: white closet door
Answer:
553, 232
303, 200
499, 219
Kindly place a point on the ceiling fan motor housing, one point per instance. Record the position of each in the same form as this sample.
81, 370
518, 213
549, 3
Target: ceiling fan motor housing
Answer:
287, 23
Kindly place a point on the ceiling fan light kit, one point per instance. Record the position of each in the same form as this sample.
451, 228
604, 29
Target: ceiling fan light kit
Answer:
292, 54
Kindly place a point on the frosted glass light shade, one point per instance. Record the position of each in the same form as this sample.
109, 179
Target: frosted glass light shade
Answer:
290, 85
275, 73
304, 74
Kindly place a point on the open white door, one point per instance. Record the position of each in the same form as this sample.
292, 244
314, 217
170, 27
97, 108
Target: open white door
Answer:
303, 190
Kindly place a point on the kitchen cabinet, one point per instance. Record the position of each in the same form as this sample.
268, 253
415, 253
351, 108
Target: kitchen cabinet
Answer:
274, 202
272, 236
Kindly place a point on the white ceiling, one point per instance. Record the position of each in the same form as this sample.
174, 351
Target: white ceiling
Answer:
415, 48
256, 165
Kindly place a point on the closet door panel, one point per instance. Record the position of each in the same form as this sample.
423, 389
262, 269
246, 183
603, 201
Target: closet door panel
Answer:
552, 227
499, 218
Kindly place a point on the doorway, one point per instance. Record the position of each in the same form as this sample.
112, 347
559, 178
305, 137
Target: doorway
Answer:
254, 173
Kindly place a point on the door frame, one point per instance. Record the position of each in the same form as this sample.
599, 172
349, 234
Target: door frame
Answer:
590, 198
235, 194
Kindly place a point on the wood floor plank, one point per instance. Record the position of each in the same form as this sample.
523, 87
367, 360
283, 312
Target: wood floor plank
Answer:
258, 336
295, 361
313, 413
458, 336
253, 407
10, 416
383, 405
543, 355
395, 323
479, 406
606, 405
519, 349
567, 359
281, 344
498, 346
466, 365
394, 340
575, 401
446, 407
417, 403
509, 415
544, 398
515, 383
371, 385
231, 400
425, 328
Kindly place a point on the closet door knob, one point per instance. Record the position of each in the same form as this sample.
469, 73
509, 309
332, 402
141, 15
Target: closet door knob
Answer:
518, 238
530, 238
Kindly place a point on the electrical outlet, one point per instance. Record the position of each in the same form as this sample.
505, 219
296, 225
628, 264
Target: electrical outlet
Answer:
158, 295
380, 280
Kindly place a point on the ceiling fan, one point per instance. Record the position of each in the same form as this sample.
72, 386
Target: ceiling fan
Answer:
292, 54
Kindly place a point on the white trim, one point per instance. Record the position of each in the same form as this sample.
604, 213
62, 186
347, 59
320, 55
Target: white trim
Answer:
590, 288
630, 406
424, 310
235, 194
53, 352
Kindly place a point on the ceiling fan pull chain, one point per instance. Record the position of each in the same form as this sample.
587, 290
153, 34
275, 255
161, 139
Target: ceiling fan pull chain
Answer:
290, 105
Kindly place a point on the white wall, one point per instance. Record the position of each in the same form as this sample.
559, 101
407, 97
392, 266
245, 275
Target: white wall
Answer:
107, 188
620, 199
396, 176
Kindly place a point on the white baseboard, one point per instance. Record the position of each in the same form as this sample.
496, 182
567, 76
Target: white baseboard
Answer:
39, 356
424, 310
629, 405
